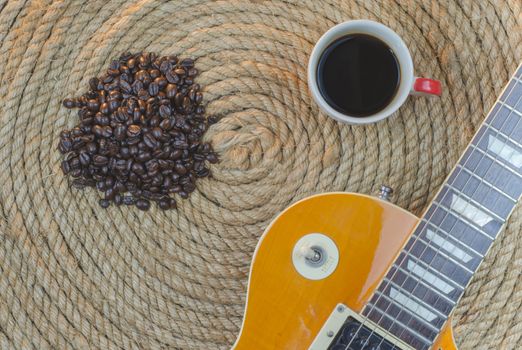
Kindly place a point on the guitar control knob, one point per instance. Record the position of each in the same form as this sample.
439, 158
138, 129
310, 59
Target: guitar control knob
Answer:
385, 193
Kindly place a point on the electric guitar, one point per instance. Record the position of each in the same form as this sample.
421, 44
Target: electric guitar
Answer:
340, 271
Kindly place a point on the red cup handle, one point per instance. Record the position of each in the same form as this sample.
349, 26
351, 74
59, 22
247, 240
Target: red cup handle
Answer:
426, 87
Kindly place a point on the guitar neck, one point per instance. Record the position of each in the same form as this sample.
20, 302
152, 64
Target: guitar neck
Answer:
430, 274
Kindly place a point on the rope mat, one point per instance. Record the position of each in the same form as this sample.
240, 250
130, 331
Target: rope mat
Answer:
75, 276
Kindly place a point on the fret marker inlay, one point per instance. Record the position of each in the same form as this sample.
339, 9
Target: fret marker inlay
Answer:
448, 246
429, 277
504, 151
412, 305
470, 211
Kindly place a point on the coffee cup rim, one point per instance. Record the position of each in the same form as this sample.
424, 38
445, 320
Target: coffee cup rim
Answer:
382, 32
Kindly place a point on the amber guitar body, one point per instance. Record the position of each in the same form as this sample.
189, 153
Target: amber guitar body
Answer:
285, 310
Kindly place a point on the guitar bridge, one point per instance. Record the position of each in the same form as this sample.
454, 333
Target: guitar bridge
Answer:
347, 330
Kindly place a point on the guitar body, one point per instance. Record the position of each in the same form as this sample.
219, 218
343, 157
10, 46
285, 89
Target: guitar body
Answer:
286, 310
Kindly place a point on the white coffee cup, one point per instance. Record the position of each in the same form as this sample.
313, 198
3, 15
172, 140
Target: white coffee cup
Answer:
408, 84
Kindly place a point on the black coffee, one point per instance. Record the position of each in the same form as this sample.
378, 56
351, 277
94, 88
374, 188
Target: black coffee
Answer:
358, 75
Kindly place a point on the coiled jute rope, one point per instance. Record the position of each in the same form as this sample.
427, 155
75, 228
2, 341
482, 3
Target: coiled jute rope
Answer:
75, 276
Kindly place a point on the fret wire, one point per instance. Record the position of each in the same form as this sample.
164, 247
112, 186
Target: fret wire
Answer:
432, 270
475, 148
513, 110
420, 301
453, 239
469, 172
391, 301
461, 218
489, 239
420, 239
412, 331
446, 193
422, 283
501, 133
395, 319
473, 201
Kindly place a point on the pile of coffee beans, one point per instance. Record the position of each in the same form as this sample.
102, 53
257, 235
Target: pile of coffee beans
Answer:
139, 135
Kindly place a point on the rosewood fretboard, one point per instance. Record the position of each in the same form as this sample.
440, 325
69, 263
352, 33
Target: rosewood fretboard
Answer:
430, 274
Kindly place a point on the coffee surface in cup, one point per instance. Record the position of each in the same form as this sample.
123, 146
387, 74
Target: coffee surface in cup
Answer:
358, 75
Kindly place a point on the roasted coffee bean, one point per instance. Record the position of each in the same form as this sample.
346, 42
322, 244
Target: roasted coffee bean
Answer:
93, 105
164, 203
101, 120
144, 60
144, 156
138, 168
187, 62
85, 158
166, 124
104, 203
164, 111
178, 99
125, 87
140, 128
128, 200
106, 131
165, 66
113, 104
66, 167
69, 103
65, 145
175, 154
155, 120
199, 98
93, 83
104, 108
212, 158
133, 130
106, 78
180, 72
161, 81
143, 204
100, 160
153, 89
109, 193
157, 132
171, 90
142, 76
91, 147
143, 94
137, 86
154, 73
192, 72
180, 144
180, 169
186, 104
152, 167
118, 199
97, 130
113, 72
109, 182
171, 78
120, 132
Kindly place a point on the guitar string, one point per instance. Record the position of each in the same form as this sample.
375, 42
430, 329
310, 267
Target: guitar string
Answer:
488, 127
438, 251
387, 284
